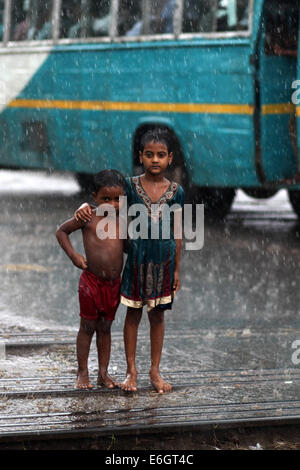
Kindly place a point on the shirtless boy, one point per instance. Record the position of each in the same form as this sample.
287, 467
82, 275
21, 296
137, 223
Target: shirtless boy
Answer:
99, 284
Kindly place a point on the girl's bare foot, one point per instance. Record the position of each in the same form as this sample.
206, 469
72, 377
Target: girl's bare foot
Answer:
106, 381
160, 385
82, 381
130, 384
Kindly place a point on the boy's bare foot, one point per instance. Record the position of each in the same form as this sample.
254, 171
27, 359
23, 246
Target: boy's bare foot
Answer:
160, 385
106, 381
129, 384
82, 381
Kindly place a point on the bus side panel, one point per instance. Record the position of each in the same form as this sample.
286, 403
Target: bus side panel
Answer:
277, 72
218, 144
15, 123
276, 77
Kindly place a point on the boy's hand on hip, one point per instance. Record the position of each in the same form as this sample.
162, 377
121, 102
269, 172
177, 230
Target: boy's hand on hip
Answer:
79, 261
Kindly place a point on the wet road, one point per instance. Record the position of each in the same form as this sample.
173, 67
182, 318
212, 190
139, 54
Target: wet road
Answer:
229, 347
245, 279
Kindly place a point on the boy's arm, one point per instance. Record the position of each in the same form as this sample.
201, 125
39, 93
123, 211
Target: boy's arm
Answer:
83, 213
62, 235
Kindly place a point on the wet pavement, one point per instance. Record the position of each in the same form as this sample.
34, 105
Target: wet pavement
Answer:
230, 351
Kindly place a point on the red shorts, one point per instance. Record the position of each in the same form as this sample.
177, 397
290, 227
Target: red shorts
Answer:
98, 296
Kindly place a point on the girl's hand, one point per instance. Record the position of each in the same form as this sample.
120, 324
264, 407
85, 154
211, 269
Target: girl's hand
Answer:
79, 261
83, 213
176, 281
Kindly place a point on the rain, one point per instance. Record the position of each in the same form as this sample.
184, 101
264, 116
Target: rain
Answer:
81, 83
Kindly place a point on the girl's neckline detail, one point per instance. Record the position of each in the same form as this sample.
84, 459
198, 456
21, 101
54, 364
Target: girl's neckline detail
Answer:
165, 197
158, 200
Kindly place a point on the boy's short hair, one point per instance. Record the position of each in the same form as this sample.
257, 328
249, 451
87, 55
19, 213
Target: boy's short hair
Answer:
108, 178
157, 134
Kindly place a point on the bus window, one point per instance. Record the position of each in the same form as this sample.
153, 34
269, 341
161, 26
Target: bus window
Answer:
31, 20
233, 15
198, 17
281, 28
145, 17
71, 17
85, 18
130, 18
215, 15
100, 17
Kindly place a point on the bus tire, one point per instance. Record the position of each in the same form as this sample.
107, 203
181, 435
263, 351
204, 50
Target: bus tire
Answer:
85, 181
217, 201
260, 193
294, 197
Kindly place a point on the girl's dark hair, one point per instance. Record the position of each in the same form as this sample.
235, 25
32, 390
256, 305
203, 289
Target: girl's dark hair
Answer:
108, 178
157, 135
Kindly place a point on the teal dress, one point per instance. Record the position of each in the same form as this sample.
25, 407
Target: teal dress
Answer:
149, 270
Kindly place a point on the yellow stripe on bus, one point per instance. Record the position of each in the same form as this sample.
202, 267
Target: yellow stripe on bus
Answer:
278, 108
134, 106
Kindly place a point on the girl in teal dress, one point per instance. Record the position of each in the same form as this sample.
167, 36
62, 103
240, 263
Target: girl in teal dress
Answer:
148, 277
151, 274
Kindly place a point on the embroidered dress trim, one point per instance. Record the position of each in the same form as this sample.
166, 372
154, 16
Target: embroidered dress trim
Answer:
151, 303
166, 196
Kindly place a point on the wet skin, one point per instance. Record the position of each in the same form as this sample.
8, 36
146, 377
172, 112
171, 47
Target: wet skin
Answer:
155, 159
104, 258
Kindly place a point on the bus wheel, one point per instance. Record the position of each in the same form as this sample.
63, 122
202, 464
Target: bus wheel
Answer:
294, 197
85, 181
217, 201
260, 193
